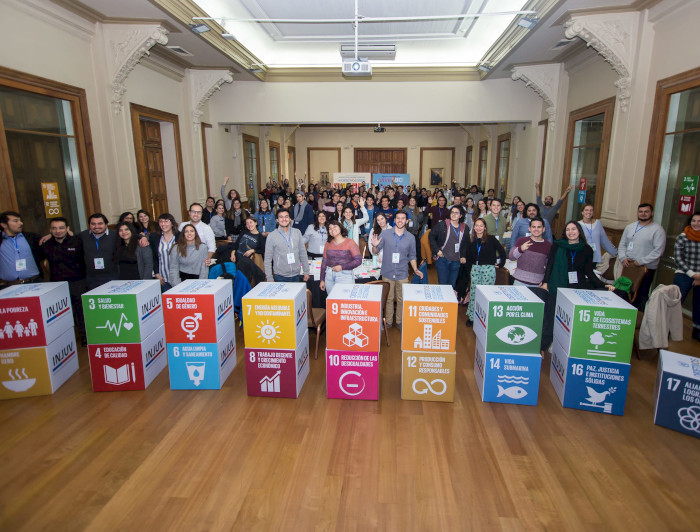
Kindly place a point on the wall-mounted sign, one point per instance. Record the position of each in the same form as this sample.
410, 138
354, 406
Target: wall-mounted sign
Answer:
52, 201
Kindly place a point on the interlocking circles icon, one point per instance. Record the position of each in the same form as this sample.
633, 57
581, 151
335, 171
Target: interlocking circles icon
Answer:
689, 418
429, 386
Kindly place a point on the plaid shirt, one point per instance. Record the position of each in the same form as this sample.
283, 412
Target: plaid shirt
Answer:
686, 253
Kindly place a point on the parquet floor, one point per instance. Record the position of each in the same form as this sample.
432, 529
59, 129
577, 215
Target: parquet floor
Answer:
220, 460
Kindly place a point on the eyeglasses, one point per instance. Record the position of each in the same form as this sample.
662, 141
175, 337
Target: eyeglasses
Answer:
195, 212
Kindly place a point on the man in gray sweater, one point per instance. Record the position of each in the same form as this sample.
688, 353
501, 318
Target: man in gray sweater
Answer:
285, 249
642, 244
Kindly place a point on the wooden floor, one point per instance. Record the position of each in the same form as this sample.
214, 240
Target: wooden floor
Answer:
220, 460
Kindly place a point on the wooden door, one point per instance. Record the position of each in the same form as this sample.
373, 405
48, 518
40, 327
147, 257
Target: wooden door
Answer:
154, 197
381, 160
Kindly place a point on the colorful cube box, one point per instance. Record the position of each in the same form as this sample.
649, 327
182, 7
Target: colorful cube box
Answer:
586, 384
507, 377
122, 312
205, 366
428, 376
277, 372
38, 370
274, 315
429, 318
198, 311
677, 393
508, 319
353, 315
120, 367
594, 324
34, 315
352, 375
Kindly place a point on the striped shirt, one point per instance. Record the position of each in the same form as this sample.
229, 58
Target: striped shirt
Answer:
164, 257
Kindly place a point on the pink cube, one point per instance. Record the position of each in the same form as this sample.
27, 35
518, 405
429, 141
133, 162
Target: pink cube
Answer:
352, 375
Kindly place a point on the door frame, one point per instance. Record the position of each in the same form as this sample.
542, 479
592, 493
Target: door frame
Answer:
138, 112
83, 138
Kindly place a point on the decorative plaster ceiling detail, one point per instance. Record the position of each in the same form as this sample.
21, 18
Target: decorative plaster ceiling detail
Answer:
613, 36
127, 45
204, 83
544, 80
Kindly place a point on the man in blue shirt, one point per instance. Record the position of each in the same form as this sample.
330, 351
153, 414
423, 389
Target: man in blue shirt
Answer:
386, 210
20, 254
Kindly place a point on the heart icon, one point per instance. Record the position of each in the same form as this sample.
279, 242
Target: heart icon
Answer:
128, 325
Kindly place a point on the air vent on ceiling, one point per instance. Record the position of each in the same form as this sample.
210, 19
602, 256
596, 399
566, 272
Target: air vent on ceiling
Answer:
180, 50
562, 43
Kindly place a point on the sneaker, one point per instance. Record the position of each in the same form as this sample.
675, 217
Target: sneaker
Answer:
470, 323
388, 325
399, 326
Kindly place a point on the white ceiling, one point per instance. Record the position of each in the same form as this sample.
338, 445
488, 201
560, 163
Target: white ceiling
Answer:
420, 43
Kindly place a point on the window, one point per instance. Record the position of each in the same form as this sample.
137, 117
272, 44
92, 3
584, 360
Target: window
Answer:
502, 165
483, 159
468, 169
274, 161
252, 162
587, 157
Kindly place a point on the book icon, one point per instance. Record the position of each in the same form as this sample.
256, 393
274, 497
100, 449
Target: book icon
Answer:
120, 375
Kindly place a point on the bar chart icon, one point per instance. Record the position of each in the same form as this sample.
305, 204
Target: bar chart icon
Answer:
270, 384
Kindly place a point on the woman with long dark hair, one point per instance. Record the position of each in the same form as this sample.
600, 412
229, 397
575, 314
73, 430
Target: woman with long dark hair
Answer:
187, 258
340, 257
144, 224
134, 262
235, 220
161, 244
232, 194
266, 218
316, 236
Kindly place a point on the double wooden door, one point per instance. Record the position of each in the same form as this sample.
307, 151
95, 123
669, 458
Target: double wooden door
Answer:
154, 197
381, 160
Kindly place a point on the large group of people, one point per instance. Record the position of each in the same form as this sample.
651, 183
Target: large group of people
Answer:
278, 234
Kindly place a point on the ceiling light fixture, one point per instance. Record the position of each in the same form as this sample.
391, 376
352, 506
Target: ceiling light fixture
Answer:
199, 28
528, 22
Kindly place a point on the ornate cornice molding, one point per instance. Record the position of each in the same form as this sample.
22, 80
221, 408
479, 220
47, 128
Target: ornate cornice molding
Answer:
613, 37
544, 80
204, 83
127, 45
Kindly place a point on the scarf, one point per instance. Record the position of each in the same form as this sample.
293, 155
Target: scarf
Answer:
693, 236
349, 226
559, 277
299, 212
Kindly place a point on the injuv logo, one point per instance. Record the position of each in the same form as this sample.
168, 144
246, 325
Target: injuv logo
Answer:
516, 334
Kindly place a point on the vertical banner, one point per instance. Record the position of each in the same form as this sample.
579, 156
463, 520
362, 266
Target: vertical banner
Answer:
689, 189
52, 201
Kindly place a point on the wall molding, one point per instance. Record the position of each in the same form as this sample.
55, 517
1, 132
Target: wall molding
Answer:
126, 46
204, 83
544, 80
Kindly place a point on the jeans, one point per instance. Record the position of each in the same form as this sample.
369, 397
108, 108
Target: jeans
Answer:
282, 279
447, 271
685, 283
341, 277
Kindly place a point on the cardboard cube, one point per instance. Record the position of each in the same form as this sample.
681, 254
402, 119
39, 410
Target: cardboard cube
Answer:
594, 324
38, 370
353, 315
198, 311
677, 393
34, 315
507, 377
428, 376
586, 384
508, 319
274, 315
277, 372
205, 366
352, 374
429, 318
120, 367
122, 312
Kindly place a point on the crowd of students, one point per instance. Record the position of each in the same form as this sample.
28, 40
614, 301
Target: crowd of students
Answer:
277, 234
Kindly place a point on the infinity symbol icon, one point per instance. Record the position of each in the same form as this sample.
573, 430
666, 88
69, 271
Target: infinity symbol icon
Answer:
429, 386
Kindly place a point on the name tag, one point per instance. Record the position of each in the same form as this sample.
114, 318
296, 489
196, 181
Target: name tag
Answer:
528, 234
21, 265
395, 258
99, 264
290, 258
630, 246
410, 223
573, 277
498, 237
456, 248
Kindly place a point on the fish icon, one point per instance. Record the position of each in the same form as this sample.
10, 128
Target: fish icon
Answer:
514, 392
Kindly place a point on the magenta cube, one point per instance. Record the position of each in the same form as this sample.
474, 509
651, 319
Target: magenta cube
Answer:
352, 375
277, 372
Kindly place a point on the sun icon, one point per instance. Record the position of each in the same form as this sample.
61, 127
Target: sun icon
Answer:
268, 332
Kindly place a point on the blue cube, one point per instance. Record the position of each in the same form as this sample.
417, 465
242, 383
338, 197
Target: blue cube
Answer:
584, 384
202, 366
677, 393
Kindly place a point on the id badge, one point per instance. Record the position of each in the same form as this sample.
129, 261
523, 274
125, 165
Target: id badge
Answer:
290, 258
99, 263
395, 258
528, 234
498, 238
20, 265
630, 246
573, 277
410, 223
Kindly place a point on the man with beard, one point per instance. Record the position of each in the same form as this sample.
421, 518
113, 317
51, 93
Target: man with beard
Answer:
642, 244
20, 254
549, 209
